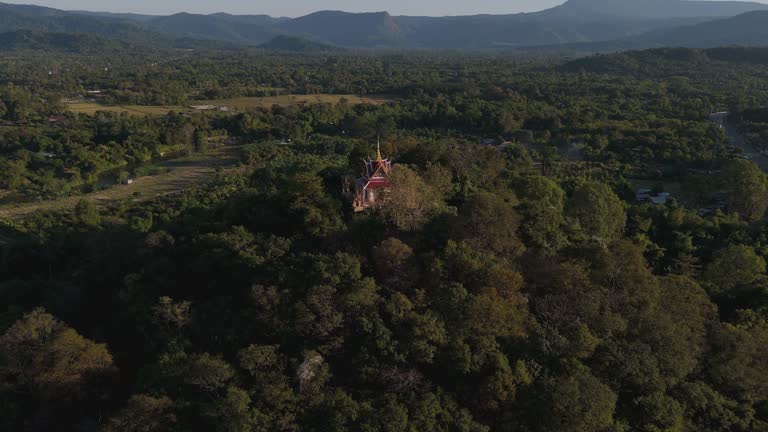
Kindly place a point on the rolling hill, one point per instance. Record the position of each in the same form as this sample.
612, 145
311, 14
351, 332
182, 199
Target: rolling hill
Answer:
28, 40
668, 62
240, 29
747, 29
124, 16
589, 24
347, 29
21, 22
35, 18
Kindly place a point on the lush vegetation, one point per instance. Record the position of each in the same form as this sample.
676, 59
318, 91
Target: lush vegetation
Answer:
517, 287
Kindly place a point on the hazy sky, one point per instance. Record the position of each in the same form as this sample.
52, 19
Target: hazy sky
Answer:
300, 7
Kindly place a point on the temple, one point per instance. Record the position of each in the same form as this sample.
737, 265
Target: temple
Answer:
371, 189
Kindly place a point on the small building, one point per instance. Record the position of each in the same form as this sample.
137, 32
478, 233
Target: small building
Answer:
203, 107
645, 195
210, 108
95, 94
371, 189
128, 181
661, 198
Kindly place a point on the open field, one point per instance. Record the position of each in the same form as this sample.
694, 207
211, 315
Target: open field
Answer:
244, 103
93, 107
181, 174
241, 103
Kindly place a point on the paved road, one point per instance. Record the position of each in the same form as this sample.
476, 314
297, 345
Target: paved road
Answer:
737, 140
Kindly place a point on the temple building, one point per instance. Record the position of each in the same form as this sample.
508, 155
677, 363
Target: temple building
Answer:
371, 189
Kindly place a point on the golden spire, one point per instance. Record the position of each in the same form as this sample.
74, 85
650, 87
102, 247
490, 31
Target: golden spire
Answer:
378, 149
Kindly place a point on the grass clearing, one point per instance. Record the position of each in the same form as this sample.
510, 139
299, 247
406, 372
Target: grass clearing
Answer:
240, 103
178, 175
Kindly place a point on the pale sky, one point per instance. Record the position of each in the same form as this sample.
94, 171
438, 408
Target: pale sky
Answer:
294, 8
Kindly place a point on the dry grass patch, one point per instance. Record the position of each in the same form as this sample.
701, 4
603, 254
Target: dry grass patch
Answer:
92, 108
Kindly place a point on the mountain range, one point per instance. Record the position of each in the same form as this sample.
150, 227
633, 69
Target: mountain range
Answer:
588, 24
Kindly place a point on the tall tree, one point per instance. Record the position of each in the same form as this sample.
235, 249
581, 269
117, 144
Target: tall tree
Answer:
732, 267
543, 204
489, 222
598, 211
43, 355
748, 188
411, 202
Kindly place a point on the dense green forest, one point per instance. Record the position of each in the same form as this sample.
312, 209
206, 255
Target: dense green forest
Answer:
510, 282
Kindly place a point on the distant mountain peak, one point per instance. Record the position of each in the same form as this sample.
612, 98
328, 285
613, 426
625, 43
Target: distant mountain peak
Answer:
644, 9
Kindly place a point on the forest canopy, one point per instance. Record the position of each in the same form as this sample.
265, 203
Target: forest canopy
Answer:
563, 246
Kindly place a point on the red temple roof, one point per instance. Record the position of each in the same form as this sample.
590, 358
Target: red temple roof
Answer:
376, 183
376, 172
